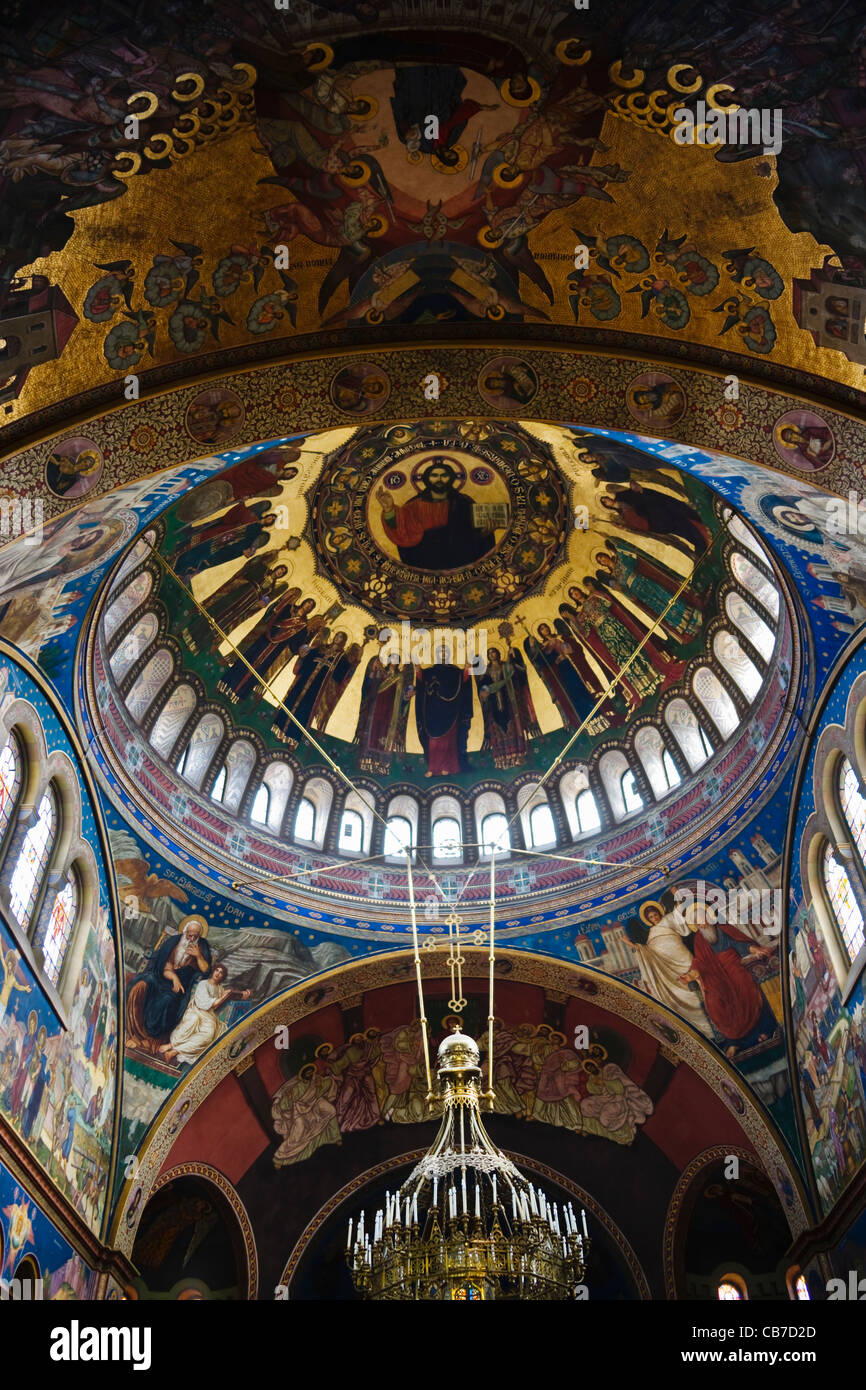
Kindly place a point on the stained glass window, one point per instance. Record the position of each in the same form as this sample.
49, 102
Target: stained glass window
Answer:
10, 781
689, 733
716, 701
33, 860
802, 1288
846, 910
127, 601
239, 763
728, 1291
853, 806
278, 779
59, 930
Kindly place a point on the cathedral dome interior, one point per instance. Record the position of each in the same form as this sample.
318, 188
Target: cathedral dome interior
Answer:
432, 684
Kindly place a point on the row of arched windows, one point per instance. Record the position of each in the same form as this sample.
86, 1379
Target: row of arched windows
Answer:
663, 755
840, 887
46, 871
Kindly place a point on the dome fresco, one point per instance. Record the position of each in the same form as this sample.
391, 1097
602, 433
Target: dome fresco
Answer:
302, 590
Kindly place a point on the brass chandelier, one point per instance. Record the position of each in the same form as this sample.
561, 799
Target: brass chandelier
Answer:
466, 1224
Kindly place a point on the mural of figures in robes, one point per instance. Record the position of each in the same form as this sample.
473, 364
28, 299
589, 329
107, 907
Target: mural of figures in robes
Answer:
321, 673
622, 568
443, 714
159, 995
435, 529
200, 1025
505, 705
278, 636
386, 698
562, 668
649, 511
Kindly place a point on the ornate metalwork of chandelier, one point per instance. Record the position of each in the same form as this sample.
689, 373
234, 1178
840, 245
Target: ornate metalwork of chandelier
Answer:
466, 1224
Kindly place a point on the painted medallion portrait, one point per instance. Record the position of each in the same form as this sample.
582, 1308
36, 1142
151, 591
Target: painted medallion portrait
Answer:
654, 398
74, 468
214, 416
360, 389
804, 440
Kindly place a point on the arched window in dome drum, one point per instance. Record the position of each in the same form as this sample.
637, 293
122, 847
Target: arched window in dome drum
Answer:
658, 765
843, 904
199, 753
757, 583
542, 830
218, 790
495, 837
446, 838
129, 598
277, 784
631, 796
149, 683
689, 733
351, 836
130, 648
752, 626
305, 820
716, 701
740, 667
853, 806
398, 837
172, 718
33, 860
742, 533
261, 805
588, 818
240, 761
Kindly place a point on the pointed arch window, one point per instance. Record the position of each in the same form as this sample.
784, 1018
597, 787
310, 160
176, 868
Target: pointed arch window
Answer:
32, 866
11, 773
843, 904
853, 805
